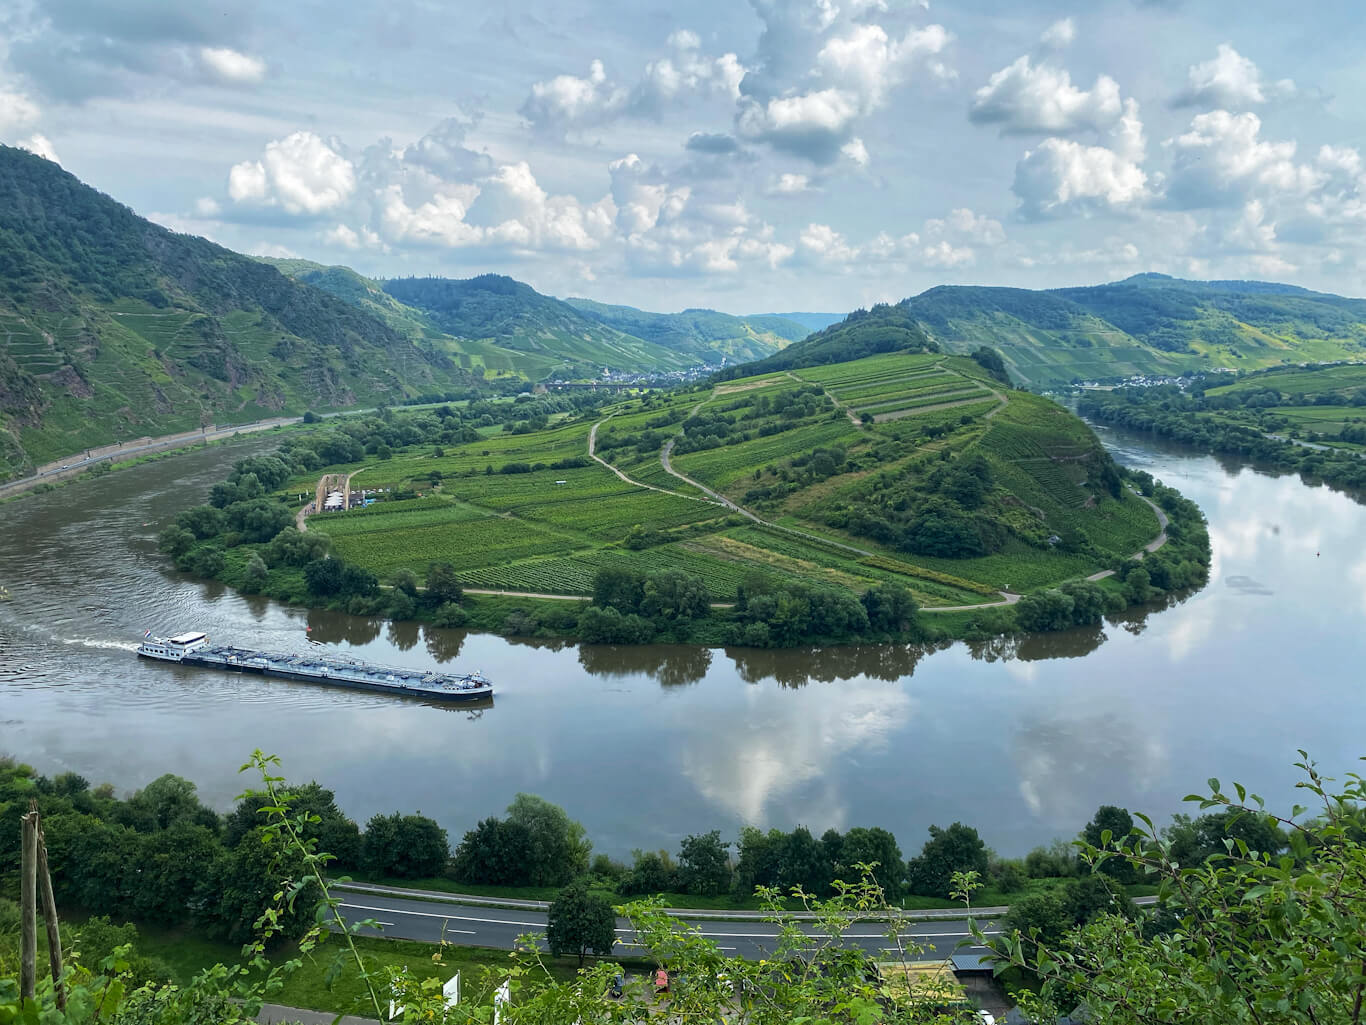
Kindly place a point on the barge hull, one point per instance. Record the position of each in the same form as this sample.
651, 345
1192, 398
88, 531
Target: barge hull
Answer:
336, 681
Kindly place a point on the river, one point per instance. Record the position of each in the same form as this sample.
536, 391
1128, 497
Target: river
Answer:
646, 745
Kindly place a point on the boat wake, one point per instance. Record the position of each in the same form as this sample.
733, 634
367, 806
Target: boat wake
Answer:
91, 642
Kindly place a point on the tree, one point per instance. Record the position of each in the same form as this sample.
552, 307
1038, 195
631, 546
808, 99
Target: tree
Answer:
406, 846
442, 585
862, 846
891, 607
323, 577
618, 587
1048, 610
255, 575
165, 802
404, 580
652, 872
1138, 586
494, 853
580, 922
704, 864
559, 846
335, 833
1120, 824
175, 541
955, 849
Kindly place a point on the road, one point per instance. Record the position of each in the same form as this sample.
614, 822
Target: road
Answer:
429, 921
1151, 546
78, 463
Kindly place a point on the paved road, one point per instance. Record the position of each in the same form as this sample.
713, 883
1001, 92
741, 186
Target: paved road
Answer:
78, 463
428, 921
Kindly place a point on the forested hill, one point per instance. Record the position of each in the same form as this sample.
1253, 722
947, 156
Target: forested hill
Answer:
1147, 324
863, 333
704, 333
512, 315
112, 327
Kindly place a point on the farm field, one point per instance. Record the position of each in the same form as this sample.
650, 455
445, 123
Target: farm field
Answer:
527, 510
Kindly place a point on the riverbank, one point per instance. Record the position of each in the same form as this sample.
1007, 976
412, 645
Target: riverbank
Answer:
102, 460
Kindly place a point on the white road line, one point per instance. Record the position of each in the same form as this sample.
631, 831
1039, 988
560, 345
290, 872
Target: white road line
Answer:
451, 918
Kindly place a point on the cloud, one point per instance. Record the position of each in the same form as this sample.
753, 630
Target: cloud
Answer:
1029, 99
17, 111
1060, 34
1228, 80
39, 145
232, 67
273, 250
686, 71
789, 184
855, 151
813, 111
1222, 158
950, 242
712, 143
301, 173
1061, 176
566, 102
74, 50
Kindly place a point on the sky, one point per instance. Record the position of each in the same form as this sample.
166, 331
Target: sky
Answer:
744, 156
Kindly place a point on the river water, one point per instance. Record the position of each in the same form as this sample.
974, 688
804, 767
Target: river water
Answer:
646, 745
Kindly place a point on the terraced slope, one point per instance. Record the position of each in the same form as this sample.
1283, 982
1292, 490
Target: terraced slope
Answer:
113, 328
511, 315
1149, 324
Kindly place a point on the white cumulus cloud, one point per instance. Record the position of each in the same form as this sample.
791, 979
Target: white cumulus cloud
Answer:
1028, 99
231, 66
1229, 80
1061, 175
300, 173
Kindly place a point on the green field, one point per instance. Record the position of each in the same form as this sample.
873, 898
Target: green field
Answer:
781, 446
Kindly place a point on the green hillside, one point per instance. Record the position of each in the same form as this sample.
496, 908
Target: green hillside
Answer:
112, 328
511, 315
863, 333
481, 358
1149, 324
705, 334
792, 494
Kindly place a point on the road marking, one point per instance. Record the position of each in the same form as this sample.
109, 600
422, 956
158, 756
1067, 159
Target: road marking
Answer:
451, 918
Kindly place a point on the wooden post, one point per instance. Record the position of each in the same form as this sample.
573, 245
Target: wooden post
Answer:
54, 935
28, 907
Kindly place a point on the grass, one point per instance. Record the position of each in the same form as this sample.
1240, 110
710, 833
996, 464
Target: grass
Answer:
547, 529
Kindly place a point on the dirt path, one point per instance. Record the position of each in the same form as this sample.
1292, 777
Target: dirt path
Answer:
1151, 546
592, 454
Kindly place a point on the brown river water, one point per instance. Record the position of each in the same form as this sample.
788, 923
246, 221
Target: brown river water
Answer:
645, 745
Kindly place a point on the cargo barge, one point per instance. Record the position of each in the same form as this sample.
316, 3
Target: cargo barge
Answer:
193, 649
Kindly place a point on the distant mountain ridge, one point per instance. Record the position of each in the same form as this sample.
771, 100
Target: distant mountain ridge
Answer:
704, 333
1147, 324
112, 327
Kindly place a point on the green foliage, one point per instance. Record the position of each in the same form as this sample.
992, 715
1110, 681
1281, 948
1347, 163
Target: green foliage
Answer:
580, 922
404, 846
559, 845
703, 864
947, 852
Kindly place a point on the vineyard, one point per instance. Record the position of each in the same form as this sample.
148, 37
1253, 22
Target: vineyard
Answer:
527, 511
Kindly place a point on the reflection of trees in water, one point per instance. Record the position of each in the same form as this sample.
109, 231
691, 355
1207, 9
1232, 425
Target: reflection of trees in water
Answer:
402, 635
443, 644
1064, 644
795, 667
327, 627
257, 606
671, 665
